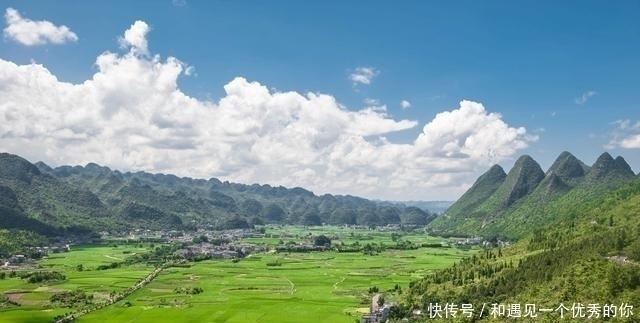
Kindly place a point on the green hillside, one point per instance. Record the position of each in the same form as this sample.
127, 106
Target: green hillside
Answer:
530, 199
579, 246
56, 201
479, 192
588, 254
39, 202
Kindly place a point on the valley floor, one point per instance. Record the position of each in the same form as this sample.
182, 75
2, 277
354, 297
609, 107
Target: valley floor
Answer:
326, 286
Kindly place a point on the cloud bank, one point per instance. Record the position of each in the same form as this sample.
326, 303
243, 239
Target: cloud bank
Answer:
31, 33
131, 115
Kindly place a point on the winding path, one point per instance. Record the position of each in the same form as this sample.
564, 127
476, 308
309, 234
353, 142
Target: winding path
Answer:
293, 286
335, 285
114, 298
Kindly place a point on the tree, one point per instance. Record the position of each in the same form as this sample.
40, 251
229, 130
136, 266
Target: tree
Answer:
311, 218
236, 222
251, 207
343, 215
381, 301
322, 240
273, 213
369, 218
389, 214
634, 250
415, 216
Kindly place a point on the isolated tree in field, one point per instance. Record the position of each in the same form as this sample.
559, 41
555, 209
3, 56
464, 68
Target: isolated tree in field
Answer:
322, 240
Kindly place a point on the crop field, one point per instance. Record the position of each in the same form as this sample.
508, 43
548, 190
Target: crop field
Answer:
304, 287
270, 286
338, 235
34, 298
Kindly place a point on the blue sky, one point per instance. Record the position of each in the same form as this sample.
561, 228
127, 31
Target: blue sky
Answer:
566, 72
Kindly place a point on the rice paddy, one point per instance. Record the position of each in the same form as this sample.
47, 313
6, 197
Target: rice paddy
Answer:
271, 286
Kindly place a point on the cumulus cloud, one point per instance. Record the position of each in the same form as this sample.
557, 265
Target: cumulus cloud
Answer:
136, 37
363, 75
31, 33
470, 132
131, 115
625, 135
405, 104
585, 97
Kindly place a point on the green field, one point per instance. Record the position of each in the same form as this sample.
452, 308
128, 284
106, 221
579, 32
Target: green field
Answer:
294, 287
34, 298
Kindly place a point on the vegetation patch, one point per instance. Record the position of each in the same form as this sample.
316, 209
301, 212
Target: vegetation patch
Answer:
71, 299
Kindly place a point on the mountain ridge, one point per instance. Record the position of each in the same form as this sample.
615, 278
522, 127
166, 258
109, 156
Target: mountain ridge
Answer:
98, 198
524, 200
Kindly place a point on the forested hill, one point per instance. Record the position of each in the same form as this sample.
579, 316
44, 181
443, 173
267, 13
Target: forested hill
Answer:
36, 197
579, 248
513, 205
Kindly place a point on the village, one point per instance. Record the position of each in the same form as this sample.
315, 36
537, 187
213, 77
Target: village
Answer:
205, 244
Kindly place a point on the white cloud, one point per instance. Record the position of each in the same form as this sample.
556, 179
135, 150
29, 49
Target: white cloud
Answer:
625, 135
132, 116
585, 97
370, 101
31, 33
405, 104
190, 70
136, 37
630, 142
363, 75
469, 132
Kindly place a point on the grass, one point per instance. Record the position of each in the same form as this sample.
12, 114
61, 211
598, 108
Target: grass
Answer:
303, 287
306, 287
34, 298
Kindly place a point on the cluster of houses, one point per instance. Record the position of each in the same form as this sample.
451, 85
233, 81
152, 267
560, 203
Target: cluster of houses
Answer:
218, 245
378, 313
198, 244
177, 236
480, 241
34, 253
228, 250
16, 260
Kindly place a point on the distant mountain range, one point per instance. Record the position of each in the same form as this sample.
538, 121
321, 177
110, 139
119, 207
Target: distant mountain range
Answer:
514, 204
430, 206
46, 200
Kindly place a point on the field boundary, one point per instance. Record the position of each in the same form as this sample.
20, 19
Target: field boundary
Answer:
115, 298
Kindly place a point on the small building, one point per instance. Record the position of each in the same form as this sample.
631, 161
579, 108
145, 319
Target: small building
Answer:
16, 260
